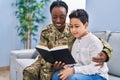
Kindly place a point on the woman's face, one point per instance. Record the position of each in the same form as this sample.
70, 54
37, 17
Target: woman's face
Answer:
59, 17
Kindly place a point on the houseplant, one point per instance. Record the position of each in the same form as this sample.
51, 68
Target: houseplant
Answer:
29, 13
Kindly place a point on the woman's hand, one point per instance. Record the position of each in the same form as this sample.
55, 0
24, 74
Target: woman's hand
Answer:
58, 65
100, 59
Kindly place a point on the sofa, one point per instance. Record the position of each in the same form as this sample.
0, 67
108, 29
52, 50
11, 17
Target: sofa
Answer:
19, 59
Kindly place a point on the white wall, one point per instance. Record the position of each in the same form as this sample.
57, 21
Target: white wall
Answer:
75, 4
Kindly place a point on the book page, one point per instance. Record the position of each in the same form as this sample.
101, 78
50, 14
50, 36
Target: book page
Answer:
59, 47
52, 49
43, 47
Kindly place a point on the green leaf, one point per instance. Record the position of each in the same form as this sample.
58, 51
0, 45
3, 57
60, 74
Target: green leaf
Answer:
26, 11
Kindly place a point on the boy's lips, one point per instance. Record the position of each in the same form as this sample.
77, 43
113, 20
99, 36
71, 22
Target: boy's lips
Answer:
75, 34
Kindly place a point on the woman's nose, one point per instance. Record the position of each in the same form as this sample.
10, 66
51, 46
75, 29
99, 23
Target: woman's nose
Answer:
58, 20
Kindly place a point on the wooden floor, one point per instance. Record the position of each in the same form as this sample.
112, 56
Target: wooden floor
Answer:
4, 73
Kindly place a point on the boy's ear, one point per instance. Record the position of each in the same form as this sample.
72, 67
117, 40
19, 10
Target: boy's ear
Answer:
86, 24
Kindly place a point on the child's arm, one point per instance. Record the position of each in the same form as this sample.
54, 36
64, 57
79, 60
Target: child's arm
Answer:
90, 68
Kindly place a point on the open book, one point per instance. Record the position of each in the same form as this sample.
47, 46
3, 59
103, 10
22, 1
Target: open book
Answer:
60, 53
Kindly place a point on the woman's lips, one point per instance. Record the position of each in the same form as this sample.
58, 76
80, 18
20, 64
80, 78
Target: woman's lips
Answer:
58, 25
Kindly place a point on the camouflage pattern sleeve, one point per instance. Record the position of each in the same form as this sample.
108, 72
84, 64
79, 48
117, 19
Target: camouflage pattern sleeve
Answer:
107, 48
32, 72
46, 68
43, 38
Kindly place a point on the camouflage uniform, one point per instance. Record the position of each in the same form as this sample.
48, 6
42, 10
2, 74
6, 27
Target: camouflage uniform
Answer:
51, 37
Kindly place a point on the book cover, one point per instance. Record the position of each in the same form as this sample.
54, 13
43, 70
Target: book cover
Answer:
60, 53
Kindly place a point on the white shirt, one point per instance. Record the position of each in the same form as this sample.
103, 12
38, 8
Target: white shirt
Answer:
83, 50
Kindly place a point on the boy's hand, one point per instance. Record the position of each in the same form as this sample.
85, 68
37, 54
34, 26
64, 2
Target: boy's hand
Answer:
65, 73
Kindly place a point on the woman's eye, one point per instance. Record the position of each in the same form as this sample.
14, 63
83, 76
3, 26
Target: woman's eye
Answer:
62, 17
54, 17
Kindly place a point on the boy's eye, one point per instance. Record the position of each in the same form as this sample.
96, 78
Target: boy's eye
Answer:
76, 26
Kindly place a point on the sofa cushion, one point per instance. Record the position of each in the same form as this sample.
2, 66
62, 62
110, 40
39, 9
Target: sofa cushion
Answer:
114, 63
111, 77
23, 63
102, 34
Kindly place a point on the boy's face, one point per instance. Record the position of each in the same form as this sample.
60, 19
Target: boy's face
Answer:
59, 17
77, 28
